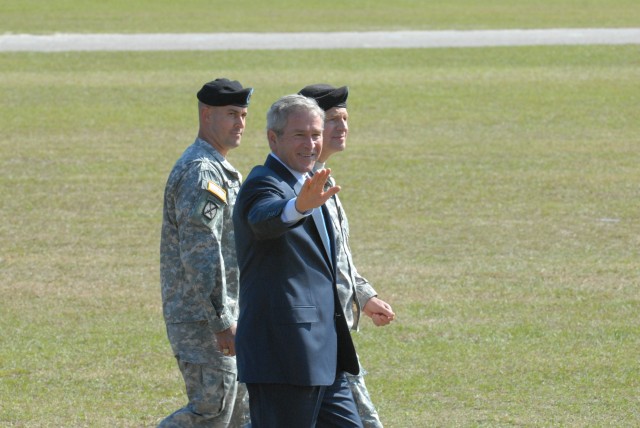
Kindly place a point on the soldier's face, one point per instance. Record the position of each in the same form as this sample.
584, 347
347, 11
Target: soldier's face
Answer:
225, 125
335, 132
300, 144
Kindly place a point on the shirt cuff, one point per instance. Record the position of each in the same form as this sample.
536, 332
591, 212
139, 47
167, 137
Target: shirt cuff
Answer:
290, 214
221, 323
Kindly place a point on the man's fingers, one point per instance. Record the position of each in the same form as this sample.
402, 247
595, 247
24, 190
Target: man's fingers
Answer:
332, 191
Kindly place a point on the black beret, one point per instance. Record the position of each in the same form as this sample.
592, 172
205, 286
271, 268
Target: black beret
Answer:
225, 92
326, 96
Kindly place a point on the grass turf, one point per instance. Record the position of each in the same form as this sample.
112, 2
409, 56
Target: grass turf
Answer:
204, 16
490, 194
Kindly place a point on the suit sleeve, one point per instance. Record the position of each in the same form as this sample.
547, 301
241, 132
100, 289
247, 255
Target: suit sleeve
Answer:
266, 200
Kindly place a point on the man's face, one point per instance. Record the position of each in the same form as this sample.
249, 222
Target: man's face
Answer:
335, 131
224, 126
300, 144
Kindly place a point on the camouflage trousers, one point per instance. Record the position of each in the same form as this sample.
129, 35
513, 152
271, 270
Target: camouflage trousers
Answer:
366, 409
216, 399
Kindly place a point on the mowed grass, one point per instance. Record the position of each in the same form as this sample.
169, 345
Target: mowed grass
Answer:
492, 196
204, 16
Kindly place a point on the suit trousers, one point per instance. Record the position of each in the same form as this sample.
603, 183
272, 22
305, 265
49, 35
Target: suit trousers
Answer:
284, 405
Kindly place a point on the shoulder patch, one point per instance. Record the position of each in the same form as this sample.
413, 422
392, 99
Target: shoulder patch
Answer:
209, 210
217, 191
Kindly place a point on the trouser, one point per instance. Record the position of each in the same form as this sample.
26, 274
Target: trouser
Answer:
366, 409
283, 405
216, 399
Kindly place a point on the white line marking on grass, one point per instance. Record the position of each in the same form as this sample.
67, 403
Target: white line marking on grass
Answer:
60, 42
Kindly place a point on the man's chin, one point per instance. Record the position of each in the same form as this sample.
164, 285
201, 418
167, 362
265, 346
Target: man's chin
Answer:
339, 146
307, 166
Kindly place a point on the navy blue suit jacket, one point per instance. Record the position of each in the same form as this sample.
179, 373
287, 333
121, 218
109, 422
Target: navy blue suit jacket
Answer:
291, 329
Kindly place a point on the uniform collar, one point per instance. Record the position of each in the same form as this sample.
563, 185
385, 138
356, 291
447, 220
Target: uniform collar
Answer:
216, 154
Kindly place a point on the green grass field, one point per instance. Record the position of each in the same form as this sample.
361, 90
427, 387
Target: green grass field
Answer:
202, 16
492, 195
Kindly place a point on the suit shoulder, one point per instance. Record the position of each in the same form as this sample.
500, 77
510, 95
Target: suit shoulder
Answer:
259, 171
263, 176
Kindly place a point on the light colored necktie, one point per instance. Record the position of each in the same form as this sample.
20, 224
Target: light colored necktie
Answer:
298, 186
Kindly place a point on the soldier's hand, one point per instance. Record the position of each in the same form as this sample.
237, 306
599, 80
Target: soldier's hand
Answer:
379, 311
227, 341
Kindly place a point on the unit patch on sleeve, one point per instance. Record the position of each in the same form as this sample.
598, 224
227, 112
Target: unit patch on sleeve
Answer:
209, 210
217, 191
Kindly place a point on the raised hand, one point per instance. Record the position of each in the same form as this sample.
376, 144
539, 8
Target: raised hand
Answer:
312, 194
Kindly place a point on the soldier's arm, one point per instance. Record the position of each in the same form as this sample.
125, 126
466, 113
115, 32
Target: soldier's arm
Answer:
201, 213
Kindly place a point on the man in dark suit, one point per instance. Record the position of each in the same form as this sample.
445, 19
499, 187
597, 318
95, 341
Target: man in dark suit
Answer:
292, 342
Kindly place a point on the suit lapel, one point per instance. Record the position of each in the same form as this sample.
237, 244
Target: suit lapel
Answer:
282, 171
290, 179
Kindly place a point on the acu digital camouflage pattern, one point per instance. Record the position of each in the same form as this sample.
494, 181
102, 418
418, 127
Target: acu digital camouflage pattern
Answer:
353, 292
366, 409
198, 265
199, 281
210, 390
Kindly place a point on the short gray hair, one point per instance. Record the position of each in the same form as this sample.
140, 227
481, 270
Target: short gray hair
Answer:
279, 113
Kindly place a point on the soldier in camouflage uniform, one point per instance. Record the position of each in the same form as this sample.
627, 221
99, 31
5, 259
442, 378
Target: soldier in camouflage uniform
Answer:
198, 266
355, 293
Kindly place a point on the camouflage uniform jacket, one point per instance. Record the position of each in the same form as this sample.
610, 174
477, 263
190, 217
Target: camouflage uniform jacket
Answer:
198, 267
353, 290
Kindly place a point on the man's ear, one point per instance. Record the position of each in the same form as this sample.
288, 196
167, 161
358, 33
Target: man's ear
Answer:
272, 137
204, 116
